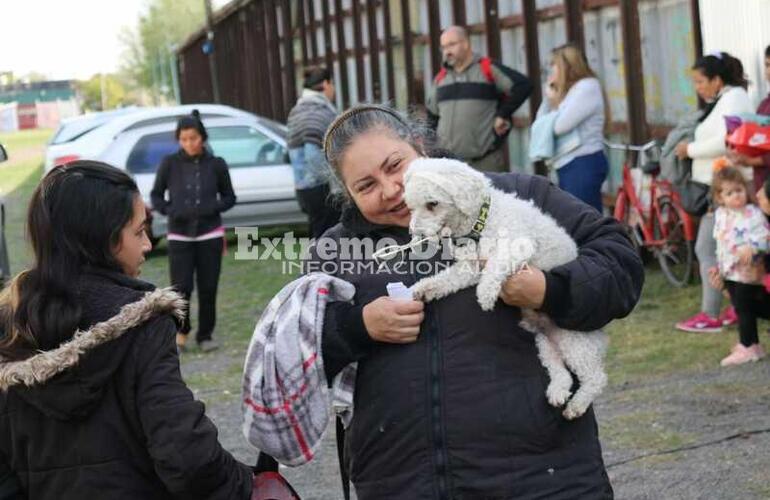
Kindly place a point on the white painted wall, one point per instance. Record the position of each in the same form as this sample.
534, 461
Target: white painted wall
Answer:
742, 28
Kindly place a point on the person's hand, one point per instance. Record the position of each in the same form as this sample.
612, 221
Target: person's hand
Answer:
736, 159
715, 278
551, 96
745, 255
681, 150
501, 125
395, 321
525, 289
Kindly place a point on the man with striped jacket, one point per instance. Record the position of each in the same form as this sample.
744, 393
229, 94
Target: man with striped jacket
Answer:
472, 101
307, 123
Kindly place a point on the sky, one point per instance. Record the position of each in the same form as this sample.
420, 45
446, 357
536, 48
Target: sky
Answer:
65, 39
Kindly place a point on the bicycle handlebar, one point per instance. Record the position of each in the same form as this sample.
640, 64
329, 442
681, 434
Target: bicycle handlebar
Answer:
630, 147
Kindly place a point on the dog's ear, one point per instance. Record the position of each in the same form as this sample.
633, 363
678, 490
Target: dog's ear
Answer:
464, 185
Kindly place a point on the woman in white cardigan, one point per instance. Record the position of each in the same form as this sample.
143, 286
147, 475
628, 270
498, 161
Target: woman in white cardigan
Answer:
719, 80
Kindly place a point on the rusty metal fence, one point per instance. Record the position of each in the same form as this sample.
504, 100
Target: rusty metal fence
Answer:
388, 50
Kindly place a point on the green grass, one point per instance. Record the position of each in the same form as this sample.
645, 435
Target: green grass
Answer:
25, 155
16, 142
18, 178
645, 430
646, 346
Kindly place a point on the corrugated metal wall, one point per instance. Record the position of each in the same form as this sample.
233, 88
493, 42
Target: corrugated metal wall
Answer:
390, 52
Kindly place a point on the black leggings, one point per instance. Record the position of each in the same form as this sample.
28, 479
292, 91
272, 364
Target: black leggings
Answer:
750, 302
201, 260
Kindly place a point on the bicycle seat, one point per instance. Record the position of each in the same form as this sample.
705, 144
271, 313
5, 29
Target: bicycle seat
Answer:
651, 168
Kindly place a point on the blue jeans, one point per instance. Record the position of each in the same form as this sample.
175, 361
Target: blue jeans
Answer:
583, 178
309, 166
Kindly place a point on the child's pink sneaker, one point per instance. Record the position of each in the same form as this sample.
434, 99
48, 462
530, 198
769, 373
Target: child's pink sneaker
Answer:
729, 317
740, 355
701, 322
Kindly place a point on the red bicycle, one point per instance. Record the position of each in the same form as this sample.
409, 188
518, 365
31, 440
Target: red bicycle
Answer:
662, 227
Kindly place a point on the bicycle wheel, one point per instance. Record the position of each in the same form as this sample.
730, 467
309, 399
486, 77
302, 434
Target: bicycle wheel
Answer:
676, 254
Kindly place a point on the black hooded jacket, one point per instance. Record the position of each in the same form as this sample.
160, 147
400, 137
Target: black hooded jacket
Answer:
109, 415
461, 413
199, 190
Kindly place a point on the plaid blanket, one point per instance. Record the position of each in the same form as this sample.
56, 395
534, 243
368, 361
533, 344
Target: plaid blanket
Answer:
286, 401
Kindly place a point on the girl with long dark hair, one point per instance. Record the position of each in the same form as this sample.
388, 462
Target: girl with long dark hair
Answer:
92, 403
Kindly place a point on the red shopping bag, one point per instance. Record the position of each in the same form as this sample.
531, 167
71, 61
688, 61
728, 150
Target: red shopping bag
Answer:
750, 139
272, 486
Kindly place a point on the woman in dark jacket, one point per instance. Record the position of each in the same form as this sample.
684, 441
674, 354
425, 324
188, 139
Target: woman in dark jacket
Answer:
199, 190
92, 403
450, 400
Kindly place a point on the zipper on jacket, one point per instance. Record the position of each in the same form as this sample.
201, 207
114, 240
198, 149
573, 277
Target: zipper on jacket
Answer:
197, 193
437, 439
437, 429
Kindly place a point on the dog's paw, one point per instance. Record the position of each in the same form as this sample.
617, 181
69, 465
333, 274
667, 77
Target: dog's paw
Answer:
486, 300
557, 395
486, 296
529, 326
424, 291
574, 410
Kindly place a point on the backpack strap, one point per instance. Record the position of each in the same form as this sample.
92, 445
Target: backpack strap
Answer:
440, 76
486, 69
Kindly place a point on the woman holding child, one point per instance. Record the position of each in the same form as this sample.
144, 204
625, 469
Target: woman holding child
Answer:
450, 401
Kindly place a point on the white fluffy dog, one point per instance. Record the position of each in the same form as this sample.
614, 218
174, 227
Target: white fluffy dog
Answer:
448, 198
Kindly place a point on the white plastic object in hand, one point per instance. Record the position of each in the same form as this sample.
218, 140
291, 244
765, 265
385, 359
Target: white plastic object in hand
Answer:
397, 290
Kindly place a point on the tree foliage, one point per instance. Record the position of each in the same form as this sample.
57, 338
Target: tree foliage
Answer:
148, 56
115, 94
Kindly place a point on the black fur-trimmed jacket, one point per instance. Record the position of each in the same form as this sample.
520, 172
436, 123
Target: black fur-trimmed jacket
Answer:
107, 414
462, 413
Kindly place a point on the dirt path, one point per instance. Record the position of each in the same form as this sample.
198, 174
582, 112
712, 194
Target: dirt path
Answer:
693, 420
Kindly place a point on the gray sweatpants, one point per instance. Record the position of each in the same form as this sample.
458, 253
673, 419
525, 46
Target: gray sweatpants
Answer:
706, 251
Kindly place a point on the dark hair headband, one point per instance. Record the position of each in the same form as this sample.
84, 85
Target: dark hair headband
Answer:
352, 112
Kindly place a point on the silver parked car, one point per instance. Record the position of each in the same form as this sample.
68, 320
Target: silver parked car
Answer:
254, 149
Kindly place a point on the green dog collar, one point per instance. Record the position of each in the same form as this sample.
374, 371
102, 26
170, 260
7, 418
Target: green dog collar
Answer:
481, 220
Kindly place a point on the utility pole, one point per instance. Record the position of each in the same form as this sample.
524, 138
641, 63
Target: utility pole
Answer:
211, 51
172, 62
102, 93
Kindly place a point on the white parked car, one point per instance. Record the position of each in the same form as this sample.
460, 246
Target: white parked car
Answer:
254, 149
71, 129
91, 144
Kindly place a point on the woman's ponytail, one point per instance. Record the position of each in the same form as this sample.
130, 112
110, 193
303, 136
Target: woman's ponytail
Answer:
734, 74
723, 65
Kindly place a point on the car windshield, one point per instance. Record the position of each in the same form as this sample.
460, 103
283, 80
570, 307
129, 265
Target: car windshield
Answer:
278, 129
72, 131
82, 125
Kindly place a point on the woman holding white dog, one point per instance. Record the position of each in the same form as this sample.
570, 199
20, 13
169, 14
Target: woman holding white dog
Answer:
450, 400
